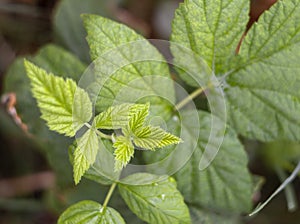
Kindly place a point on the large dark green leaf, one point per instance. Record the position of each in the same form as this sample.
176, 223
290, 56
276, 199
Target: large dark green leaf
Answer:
226, 183
263, 94
211, 30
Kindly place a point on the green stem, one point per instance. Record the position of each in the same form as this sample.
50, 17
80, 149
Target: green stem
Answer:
109, 194
102, 135
189, 98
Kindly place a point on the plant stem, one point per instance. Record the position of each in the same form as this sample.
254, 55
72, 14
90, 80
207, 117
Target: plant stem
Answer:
189, 98
288, 190
109, 194
102, 135
278, 190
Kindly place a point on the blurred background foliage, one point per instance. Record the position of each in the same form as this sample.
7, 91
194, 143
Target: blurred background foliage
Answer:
35, 173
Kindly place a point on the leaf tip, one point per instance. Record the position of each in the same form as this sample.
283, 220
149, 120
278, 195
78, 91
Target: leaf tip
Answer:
28, 65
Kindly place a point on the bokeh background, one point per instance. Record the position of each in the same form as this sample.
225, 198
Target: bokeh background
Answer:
35, 175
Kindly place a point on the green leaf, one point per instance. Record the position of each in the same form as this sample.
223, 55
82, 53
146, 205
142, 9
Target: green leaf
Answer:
157, 202
138, 71
85, 153
82, 108
102, 170
116, 117
226, 183
90, 212
123, 153
266, 79
147, 137
138, 118
81, 165
112, 34
57, 61
119, 204
55, 98
154, 137
209, 30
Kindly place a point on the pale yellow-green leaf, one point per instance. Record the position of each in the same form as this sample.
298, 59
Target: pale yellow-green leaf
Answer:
55, 98
85, 153
154, 137
123, 153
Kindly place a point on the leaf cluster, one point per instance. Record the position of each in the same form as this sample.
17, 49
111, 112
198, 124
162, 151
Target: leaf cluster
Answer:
261, 94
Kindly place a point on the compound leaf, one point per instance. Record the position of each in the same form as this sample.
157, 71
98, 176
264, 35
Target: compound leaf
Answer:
90, 212
55, 98
157, 202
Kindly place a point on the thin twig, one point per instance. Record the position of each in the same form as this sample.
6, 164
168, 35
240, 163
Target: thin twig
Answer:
279, 189
189, 98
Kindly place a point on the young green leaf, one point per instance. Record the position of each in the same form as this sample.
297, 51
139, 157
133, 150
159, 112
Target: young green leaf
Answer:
117, 117
57, 61
90, 212
133, 128
157, 202
153, 137
148, 137
80, 166
138, 117
85, 153
55, 98
123, 153
266, 78
101, 171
